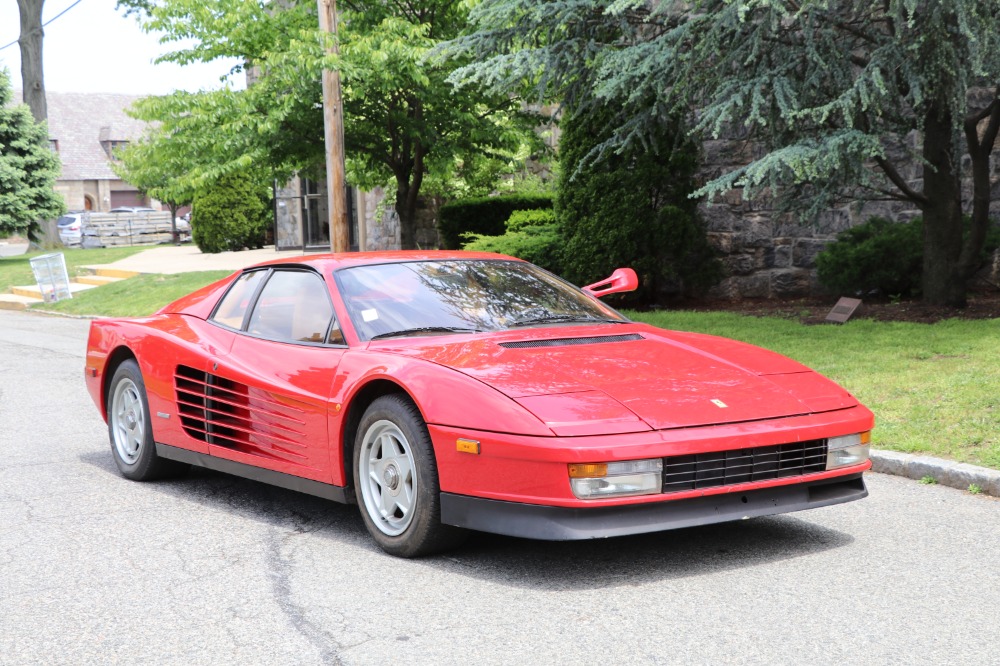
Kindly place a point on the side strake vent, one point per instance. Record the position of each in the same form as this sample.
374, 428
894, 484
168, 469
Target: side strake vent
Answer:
563, 342
226, 413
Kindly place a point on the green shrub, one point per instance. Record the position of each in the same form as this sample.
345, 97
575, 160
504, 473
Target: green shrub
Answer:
881, 257
877, 256
539, 244
631, 208
483, 216
233, 214
522, 220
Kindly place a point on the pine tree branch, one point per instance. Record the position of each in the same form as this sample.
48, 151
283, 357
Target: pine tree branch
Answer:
897, 180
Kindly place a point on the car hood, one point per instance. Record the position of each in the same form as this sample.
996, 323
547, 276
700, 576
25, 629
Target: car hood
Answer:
630, 378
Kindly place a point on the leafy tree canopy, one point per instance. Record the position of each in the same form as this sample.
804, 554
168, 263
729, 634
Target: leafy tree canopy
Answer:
402, 120
28, 168
833, 91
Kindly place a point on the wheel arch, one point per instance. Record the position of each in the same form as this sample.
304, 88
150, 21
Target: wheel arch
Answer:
118, 356
359, 402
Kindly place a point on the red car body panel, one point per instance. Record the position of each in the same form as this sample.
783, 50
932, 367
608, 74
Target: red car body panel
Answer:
532, 410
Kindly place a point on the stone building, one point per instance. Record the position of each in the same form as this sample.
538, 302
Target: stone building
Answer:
84, 129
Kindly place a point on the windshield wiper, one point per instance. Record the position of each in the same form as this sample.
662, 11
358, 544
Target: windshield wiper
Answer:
549, 318
425, 329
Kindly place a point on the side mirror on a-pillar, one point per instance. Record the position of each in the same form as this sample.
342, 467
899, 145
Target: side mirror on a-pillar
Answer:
623, 279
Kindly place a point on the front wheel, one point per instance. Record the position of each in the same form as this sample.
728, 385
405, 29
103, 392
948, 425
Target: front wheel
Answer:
396, 480
130, 429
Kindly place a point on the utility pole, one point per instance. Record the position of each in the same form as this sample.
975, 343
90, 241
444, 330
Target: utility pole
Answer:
333, 130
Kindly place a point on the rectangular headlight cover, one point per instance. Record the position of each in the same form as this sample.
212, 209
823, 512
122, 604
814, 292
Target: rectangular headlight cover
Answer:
616, 479
848, 450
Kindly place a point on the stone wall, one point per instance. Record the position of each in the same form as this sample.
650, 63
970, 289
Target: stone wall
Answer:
382, 222
767, 255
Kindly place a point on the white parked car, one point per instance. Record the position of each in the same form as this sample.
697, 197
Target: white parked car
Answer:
70, 228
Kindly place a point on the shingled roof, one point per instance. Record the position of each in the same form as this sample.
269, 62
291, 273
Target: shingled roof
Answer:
83, 124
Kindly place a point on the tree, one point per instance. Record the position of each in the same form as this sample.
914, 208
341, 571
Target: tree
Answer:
832, 91
156, 168
402, 120
632, 209
28, 168
231, 214
32, 73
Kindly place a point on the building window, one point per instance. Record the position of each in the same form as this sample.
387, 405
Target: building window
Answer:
54, 145
111, 147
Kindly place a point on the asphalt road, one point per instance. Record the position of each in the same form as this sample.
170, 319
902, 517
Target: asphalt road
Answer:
212, 569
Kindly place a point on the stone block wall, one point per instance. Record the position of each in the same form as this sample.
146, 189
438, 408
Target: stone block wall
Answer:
382, 222
772, 255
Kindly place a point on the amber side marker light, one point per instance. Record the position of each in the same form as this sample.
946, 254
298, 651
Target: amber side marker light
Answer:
848, 450
467, 446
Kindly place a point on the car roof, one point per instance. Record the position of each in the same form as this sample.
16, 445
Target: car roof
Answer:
331, 262
201, 302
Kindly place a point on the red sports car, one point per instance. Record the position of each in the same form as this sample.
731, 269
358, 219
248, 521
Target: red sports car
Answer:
446, 391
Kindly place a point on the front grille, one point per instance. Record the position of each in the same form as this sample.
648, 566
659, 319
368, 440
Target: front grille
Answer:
726, 468
561, 342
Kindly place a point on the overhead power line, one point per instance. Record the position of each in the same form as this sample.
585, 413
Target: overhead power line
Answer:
5, 46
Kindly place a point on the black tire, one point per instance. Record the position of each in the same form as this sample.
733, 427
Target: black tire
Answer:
396, 481
130, 428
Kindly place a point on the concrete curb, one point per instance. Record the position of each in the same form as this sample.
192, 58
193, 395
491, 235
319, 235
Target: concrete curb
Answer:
946, 472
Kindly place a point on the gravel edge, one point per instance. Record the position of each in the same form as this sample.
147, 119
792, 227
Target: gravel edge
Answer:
945, 472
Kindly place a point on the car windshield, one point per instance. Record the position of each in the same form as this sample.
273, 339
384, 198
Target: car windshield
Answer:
460, 296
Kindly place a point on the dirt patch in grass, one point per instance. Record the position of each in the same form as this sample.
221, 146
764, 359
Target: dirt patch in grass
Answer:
814, 310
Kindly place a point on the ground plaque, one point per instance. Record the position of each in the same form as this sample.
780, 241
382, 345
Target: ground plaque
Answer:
843, 310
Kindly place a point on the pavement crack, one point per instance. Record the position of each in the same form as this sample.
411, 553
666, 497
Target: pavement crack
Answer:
279, 571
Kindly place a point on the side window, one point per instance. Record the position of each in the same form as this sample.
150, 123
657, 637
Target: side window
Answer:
236, 301
294, 306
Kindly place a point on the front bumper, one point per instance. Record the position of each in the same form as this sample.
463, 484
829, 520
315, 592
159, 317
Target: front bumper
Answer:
555, 523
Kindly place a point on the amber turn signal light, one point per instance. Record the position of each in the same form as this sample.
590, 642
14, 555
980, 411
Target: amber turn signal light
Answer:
467, 446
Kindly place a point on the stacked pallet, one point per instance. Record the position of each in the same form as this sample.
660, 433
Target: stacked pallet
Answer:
115, 229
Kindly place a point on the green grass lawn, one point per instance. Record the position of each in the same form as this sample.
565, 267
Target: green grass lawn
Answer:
934, 388
134, 297
16, 271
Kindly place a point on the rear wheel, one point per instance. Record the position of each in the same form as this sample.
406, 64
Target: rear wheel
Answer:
397, 483
130, 429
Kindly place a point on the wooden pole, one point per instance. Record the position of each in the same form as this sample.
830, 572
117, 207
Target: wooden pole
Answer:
333, 130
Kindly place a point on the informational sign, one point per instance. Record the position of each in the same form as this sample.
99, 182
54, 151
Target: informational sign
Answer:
843, 310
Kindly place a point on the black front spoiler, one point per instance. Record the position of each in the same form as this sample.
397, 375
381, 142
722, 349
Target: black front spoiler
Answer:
554, 523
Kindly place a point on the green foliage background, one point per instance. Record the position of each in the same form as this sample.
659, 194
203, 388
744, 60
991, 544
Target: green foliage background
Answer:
828, 93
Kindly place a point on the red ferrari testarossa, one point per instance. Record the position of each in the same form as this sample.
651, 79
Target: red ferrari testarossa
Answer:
445, 391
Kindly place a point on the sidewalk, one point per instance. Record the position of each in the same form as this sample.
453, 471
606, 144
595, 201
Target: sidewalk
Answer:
174, 259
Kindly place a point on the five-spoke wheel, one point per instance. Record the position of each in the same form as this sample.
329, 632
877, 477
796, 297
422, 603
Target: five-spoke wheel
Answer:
396, 480
128, 421
130, 430
386, 469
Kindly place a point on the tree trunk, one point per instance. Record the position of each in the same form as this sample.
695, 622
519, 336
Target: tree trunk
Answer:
980, 145
943, 283
32, 74
406, 208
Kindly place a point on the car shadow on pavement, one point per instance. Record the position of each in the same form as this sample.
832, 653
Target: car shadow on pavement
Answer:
510, 561
623, 561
